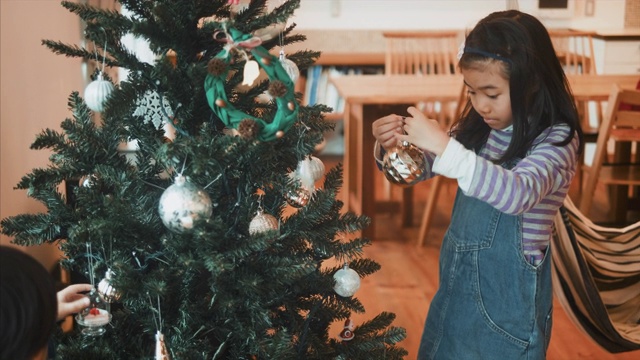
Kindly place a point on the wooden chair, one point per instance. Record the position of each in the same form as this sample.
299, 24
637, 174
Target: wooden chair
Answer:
423, 53
613, 162
575, 52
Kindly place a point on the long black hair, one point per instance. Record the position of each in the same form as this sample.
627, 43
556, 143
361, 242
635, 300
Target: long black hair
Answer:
28, 305
539, 90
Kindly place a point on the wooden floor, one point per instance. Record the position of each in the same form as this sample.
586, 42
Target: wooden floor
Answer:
409, 278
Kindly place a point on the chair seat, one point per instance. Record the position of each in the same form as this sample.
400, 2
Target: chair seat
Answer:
619, 174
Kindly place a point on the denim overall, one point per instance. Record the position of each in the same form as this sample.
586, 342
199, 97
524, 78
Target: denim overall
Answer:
491, 303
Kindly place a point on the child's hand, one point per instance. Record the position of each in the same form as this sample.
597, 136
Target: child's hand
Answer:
71, 301
423, 132
385, 129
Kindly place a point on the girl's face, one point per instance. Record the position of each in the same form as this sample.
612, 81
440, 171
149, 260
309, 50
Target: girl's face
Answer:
489, 94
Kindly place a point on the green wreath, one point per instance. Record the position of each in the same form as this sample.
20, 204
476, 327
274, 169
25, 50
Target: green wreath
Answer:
287, 111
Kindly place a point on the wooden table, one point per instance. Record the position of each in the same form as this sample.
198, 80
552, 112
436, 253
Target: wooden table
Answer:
363, 92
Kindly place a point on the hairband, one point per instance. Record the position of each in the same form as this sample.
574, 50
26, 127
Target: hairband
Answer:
472, 50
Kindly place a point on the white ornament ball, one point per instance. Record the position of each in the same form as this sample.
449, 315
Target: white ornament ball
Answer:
347, 282
317, 168
182, 204
262, 223
97, 93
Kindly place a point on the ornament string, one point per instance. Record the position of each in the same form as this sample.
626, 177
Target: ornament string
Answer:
90, 265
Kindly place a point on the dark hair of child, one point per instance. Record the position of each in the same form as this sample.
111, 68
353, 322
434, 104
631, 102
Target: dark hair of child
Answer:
539, 90
28, 305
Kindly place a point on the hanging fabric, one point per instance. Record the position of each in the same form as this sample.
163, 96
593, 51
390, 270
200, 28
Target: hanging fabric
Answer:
596, 273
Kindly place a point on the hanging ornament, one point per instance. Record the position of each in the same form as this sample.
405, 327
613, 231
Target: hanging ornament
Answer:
182, 204
214, 85
262, 223
161, 348
155, 108
88, 181
97, 93
94, 318
298, 198
347, 281
106, 289
405, 165
250, 73
289, 66
316, 167
347, 332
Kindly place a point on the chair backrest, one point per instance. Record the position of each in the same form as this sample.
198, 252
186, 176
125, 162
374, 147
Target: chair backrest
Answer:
621, 124
622, 121
422, 52
574, 50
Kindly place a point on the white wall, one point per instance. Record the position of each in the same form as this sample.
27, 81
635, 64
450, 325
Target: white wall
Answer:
437, 14
35, 84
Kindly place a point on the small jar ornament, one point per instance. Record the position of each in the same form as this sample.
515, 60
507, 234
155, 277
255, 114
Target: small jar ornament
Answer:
106, 289
406, 165
262, 223
97, 93
96, 316
182, 204
347, 281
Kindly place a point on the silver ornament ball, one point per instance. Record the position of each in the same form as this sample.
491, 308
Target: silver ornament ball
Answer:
347, 282
182, 204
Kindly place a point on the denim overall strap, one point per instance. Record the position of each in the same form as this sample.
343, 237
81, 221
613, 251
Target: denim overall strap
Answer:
491, 303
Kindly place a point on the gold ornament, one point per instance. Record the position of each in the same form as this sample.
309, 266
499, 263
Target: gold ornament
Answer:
405, 165
262, 223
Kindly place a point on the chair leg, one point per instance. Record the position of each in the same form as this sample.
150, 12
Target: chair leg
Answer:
436, 184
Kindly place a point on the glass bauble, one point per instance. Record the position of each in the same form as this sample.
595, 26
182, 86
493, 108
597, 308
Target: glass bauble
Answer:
406, 165
298, 198
182, 204
106, 289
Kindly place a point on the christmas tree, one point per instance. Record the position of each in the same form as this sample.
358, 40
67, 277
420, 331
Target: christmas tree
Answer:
220, 235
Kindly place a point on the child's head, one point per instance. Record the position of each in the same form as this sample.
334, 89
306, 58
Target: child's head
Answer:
28, 305
515, 47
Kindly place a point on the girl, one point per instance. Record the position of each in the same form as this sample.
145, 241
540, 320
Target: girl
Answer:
513, 153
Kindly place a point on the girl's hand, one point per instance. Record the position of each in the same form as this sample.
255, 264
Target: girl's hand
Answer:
71, 300
423, 132
385, 130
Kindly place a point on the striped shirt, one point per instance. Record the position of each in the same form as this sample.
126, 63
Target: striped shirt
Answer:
535, 187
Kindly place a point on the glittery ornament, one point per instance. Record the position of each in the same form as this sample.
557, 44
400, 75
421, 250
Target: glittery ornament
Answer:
162, 353
97, 93
106, 289
262, 223
405, 165
289, 66
182, 204
298, 198
347, 281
